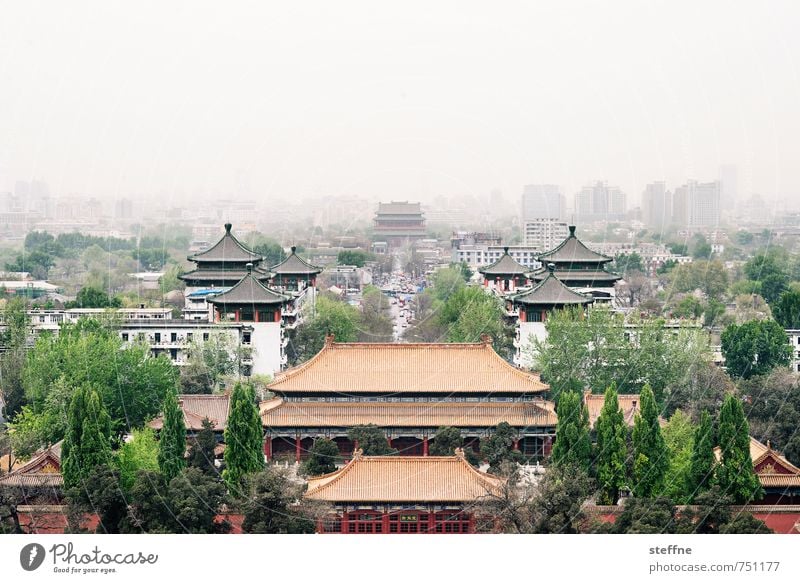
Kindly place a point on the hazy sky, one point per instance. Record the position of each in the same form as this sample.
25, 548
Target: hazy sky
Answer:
397, 100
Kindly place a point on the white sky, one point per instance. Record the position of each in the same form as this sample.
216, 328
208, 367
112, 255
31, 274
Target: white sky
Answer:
397, 100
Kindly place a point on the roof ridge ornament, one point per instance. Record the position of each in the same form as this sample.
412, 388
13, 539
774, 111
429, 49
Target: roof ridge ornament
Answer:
572, 230
294, 249
228, 227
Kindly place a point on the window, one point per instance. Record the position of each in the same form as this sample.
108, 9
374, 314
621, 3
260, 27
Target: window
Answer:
173, 337
173, 353
535, 316
124, 336
189, 336
205, 336
157, 337
246, 338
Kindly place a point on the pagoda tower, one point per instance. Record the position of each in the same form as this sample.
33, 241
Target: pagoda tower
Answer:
505, 275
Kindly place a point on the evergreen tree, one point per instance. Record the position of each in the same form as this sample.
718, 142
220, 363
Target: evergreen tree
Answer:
573, 445
322, 459
735, 474
87, 442
172, 443
371, 440
650, 454
446, 441
612, 449
499, 450
701, 470
244, 437
201, 450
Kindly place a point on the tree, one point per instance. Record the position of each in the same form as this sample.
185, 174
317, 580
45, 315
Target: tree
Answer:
710, 277
772, 406
611, 449
650, 454
702, 388
100, 494
786, 310
139, 453
201, 450
244, 437
499, 448
332, 317
371, 440
271, 505
91, 297
573, 446
447, 440
688, 307
375, 321
271, 250
12, 359
678, 435
701, 466
647, 516
755, 348
323, 456
631, 262
735, 474
351, 257
768, 269
172, 441
87, 442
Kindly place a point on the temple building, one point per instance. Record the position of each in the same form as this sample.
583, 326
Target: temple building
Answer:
531, 308
403, 495
398, 223
505, 275
297, 278
579, 268
409, 390
779, 478
38, 481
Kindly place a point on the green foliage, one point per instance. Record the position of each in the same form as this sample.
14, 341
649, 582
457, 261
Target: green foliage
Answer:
371, 440
701, 465
786, 310
99, 493
647, 516
244, 437
271, 505
679, 437
573, 446
689, 307
352, 257
498, 449
735, 474
470, 313
678, 248
331, 317
375, 320
650, 454
91, 297
201, 449
447, 440
626, 263
12, 359
710, 277
755, 348
612, 449
271, 250
172, 441
130, 382
768, 269
139, 453
323, 456
595, 350
87, 441
557, 507
209, 362
773, 410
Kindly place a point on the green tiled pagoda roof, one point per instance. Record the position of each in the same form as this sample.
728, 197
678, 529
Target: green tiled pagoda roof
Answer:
295, 265
228, 250
551, 292
249, 291
506, 265
572, 250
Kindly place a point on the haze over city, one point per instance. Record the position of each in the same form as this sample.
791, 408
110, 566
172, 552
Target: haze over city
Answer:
193, 101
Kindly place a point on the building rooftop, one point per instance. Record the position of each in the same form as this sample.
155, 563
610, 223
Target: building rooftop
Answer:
404, 479
222, 275
407, 368
42, 471
249, 291
279, 413
629, 404
227, 249
572, 250
399, 208
506, 265
550, 291
198, 407
295, 265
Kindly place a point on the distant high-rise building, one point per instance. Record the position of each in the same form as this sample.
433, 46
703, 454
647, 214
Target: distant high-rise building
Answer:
697, 204
600, 202
544, 234
542, 201
657, 205
728, 179
123, 209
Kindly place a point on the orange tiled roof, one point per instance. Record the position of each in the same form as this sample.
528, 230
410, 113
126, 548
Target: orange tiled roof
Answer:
42, 470
279, 413
630, 405
760, 452
404, 479
198, 407
403, 368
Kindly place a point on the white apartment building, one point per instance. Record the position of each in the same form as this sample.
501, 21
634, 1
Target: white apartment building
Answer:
544, 234
480, 255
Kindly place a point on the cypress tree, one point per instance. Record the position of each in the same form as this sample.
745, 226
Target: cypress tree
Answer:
650, 453
87, 441
573, 445
612, 449
701, 470
244, 437
735, 473
201, 451
172, 442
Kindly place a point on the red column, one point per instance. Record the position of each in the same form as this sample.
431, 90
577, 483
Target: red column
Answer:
297, 448
385, 523
344, 522
516, 445
471, 527
278, 315
268, 447
355, 446
237, 315
389, 441
255, 315
548, 446
425, 446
